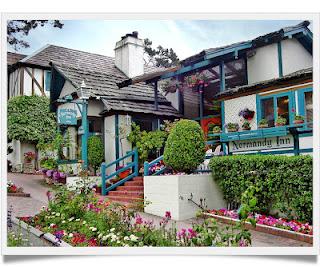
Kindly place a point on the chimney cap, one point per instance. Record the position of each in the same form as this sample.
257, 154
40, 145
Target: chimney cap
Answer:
133, 34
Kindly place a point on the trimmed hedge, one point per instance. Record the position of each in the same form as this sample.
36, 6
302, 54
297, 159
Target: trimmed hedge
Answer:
284, 182
185, 146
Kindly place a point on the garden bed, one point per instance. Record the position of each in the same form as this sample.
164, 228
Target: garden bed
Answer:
18, 194
269, 229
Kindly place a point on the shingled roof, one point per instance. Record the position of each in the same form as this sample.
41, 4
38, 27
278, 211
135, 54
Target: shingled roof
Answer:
13, 58
101, 75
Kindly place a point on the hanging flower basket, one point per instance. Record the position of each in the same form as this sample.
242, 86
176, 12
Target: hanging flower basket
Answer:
247, 114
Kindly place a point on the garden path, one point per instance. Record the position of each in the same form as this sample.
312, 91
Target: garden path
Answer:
34, 185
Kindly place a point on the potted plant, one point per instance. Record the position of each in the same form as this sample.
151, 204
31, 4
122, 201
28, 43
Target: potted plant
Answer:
246, 113
232, 127
246, 125
298, 119
263, 123
98, 187
29, 156
124, 173
216, 129
280, 121
48, 176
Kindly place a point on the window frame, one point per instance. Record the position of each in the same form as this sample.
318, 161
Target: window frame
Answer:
302, 102
292, 105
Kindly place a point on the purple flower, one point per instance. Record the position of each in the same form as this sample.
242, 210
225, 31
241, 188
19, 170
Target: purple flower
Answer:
59, 234
49, 173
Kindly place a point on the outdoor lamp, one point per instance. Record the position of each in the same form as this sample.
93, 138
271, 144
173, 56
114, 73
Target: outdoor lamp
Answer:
84, 92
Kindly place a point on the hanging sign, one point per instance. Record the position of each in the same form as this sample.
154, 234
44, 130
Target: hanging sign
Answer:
67, 116
276, 142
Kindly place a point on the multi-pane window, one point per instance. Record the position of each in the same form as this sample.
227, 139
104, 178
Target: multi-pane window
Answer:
267, 110
308, 108
235, 73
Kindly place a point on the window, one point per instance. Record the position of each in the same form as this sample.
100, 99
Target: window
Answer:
305, 105
272, 107
47, 80
235, 73
146, 124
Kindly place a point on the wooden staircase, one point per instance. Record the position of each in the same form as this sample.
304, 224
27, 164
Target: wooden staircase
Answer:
131, 191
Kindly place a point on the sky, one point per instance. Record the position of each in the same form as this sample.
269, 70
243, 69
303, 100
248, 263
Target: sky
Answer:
186, 37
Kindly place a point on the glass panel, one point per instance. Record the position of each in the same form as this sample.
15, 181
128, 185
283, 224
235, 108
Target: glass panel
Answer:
267, 111
145, 124
283, 107
309, 108
210, 107
235, 73
191, 103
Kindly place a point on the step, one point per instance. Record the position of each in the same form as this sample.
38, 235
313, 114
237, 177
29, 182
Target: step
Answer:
124, 199
125, 193
138, 178
129, 188
133, 183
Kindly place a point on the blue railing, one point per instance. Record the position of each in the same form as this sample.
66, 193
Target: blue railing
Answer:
147, 165
133, 165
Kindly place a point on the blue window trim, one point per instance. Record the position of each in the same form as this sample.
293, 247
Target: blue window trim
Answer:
292, 105
47, 80
280, 66
302, 102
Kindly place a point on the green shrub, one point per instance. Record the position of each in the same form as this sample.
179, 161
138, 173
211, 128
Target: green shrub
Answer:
185, 146
283, 183
95, 151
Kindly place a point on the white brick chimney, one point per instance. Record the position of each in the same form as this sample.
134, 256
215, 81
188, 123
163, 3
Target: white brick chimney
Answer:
129, 55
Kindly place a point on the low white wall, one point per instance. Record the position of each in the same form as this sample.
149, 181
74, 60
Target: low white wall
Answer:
171, 193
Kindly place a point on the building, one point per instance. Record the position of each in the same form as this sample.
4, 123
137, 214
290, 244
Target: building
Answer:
270, 76
58, 72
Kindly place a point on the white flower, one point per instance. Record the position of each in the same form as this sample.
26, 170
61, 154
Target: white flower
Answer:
77, 220
53, 213
63, 221
71, 235
112, 229
71, 219
84, 222
126, 238
94, 229
134, 238
105, 238
99, 236
58, 214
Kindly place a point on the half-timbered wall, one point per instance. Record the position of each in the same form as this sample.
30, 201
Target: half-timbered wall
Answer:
28, 81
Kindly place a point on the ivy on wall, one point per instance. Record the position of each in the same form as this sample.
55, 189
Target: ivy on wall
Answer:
30, 120
283, 183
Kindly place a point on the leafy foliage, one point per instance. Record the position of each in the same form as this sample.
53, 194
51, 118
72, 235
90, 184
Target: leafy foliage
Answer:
95, 151
147, 143
281, 182
159, 57
17, 29
185, 146
30, 120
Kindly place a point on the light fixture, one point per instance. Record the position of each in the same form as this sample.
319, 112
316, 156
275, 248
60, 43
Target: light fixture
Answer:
84, 91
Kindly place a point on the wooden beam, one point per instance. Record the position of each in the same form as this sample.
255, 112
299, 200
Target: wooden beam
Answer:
32, 82
42, 78
21, 80
36, 82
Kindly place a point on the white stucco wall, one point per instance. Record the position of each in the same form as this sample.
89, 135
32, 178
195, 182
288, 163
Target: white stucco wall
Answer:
67, 89
171, 193
233, 106
109, 142
264, 64
294, 56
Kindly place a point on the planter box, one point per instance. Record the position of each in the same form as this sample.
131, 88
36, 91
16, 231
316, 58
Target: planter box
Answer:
171, 193
266, 229
18, 194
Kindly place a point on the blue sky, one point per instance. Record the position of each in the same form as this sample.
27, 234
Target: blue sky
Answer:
186, 37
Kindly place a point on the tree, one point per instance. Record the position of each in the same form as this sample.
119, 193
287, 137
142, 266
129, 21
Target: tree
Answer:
159, 57
95, 152
30, 120
17, 29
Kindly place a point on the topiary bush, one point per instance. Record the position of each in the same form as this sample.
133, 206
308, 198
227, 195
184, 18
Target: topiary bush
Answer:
283, 183
185, 147
95, 152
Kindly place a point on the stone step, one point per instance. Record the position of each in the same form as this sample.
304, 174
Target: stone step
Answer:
138, 178
125, 193
134, 183
129, 188
125, 199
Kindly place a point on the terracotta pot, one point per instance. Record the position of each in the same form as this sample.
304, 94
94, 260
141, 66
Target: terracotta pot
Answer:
280, 124
263, 126
298, 121
124, 174
232, 130
98, 189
